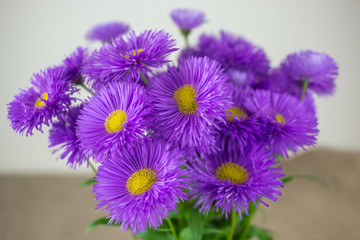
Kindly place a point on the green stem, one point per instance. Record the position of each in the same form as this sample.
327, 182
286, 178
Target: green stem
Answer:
144, 79
252, 209
86, 88
304, 88
92, 166
172, 228
186, 33
233, 225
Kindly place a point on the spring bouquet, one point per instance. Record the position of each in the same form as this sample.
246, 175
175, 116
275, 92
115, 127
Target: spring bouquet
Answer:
186, 149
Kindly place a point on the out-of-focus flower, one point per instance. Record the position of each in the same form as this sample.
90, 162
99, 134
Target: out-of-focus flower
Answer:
107, 31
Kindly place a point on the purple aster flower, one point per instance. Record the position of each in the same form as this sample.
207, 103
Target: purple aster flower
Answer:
63, 136
187, 19
140, 185
318, 69
48, 98
294, 125
118, 115
244, 62
127, 59
107, 31
74, 63
189, 100
242, 125
232, 179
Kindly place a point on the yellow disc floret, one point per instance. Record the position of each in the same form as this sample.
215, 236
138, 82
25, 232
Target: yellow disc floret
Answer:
141, 181
40, 102
232, 171
240, 114
115, 121
134, 52
185, 99
280, 118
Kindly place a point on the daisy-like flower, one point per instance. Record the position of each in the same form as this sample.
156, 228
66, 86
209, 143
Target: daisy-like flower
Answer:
232, 179
140, 185
74, 63
63, 136
244, 62
128, 58
48, 98
107, 31
242, 125
294, 125
118, 115
189, 101
187, 19
317, 70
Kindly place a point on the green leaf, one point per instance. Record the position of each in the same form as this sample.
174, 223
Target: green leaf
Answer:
97, 222
288, 179
195, 222
152, 234
260, 233
185, 234
87, 182
212, 231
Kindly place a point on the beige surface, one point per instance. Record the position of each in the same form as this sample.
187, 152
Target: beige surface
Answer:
54, 208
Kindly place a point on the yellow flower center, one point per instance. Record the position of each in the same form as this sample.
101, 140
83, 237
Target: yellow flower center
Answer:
40, 102
232, 171
185, 99
241, 114
134, 52
141, 181
115, 121
280, 118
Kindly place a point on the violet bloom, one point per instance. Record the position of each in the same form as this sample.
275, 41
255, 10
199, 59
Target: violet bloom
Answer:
189, 101
242, 125
294, 125
319, 70
128, 58
118, 115
187, 19
107, 31
48, 98
230, 180
140, 185
74, 63
244, 62
63, 136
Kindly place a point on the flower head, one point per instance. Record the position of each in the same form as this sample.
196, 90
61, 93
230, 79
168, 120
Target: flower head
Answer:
48, 98
187, 19
318, 69
107, 31
232, 179
243, 125
63, 135
189, 102
244, 62
74, 63
117, 116
128, 58
294, 124
140, 185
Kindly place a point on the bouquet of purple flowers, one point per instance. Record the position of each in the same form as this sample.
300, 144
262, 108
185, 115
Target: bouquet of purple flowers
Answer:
197, 143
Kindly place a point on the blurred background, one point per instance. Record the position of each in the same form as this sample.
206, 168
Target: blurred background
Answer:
39, 198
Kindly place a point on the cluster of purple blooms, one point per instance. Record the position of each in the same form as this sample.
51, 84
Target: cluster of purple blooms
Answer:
208, 128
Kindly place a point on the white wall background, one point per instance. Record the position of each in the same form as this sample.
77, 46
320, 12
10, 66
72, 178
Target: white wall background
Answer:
38, 33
